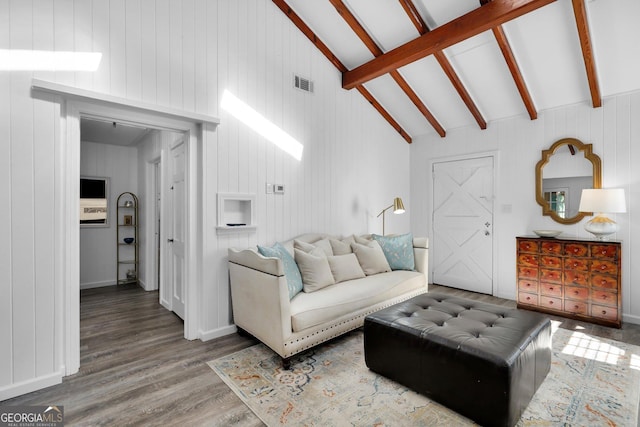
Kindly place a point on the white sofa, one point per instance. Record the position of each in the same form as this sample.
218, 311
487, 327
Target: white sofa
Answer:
261, 304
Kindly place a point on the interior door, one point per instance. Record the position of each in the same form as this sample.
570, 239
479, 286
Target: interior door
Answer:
462, 244
176, 235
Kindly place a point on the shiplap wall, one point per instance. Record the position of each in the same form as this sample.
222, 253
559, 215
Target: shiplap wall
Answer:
614, 131
97, 244
182, 54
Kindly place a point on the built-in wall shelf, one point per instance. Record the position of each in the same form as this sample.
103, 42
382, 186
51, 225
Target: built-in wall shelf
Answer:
236, 213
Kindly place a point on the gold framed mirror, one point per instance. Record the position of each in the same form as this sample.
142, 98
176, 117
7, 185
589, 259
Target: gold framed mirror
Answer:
564, 170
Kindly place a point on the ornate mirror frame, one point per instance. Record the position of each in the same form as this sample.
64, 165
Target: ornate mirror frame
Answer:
587, 150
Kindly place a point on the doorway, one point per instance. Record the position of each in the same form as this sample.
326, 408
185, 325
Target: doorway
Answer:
462, 209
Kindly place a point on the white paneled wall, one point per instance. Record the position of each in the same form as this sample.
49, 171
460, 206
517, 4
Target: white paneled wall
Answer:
614, 131
181, 54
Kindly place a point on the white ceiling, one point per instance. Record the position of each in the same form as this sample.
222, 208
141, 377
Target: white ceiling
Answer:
104, 132
545, 43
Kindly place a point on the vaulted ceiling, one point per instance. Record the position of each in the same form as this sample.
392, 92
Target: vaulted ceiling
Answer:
429, 66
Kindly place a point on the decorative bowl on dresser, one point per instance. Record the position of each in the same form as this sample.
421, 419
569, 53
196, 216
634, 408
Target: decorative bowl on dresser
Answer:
571, 277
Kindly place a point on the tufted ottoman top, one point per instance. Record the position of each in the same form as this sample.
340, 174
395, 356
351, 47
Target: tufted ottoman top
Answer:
491, 332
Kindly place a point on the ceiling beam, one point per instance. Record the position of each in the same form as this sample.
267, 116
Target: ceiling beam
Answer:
304, 28
510, 58
415, 17
582, 23
484, 18
373, 47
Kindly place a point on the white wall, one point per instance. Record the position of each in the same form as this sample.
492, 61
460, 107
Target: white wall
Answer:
614, 131
98, 244
181, 54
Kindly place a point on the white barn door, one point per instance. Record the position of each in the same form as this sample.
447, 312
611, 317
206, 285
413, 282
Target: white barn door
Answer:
462, 244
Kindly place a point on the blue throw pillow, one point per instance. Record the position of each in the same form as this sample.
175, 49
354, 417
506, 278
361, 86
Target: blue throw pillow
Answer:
398, 250
291, 271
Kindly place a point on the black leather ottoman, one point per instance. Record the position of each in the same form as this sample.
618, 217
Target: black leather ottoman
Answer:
483, 361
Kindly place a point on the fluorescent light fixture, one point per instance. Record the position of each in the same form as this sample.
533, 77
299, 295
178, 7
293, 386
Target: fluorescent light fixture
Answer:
46, 60
261, 125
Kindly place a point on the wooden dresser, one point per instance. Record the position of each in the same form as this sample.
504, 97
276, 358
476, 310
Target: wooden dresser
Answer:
576, 278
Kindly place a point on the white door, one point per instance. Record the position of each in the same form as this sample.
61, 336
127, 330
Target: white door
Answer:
176, 232
462, 246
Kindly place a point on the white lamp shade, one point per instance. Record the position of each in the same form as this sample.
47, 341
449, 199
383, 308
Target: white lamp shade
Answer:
609, 200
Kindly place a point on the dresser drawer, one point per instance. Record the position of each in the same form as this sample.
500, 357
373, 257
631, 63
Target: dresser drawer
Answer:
526, 298
604, 251
550, 275
576, 293
528, 260
550, 302
527, 272
604, 312
604, 281
550, 261
576, 249
528, 246
526, 285
576, 278
554, 248
579, 264
551, 289
603, 266
599, 296
577, 307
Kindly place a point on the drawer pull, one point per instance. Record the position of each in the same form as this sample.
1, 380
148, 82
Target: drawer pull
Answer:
604, 311
576, 292
575, 264
604, 267
576, 307
604, 251
551, 288
575, 250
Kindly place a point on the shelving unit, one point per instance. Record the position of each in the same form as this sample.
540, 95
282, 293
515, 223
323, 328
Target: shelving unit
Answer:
127, 257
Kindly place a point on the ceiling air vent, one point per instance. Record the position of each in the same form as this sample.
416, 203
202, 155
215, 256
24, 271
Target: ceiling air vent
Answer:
303, 84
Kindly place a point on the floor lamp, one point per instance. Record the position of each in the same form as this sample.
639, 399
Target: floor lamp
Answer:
398, 208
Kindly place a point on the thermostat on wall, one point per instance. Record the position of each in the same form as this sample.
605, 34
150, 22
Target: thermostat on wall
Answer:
279, 188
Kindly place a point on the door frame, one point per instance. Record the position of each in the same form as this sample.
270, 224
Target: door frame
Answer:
495, 154
76, 103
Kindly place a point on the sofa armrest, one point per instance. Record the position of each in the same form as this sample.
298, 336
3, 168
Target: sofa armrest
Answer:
253, 259
260, 299
421, 254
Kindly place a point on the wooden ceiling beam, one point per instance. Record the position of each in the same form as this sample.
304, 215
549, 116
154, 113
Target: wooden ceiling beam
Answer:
304, 28
582, 23
510, 58
484, 18
373, 47
415, 17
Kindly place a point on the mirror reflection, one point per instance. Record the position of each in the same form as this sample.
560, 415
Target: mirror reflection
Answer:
565, 169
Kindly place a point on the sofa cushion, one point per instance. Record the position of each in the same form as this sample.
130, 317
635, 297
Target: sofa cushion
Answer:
308, 310
345, 267
342, 247
314, 268
371, 257
322, 244
291, 272
398, 250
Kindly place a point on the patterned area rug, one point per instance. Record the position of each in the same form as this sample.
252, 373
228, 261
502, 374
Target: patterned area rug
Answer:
592, 382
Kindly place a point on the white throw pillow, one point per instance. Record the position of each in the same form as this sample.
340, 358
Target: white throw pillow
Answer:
314, 268
345, 267
371, 258
323, 244
342, 247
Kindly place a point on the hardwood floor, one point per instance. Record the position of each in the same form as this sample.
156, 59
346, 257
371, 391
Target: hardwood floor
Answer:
136, 369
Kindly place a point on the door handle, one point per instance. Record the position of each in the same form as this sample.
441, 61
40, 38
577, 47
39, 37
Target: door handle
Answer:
170, 240
486, 232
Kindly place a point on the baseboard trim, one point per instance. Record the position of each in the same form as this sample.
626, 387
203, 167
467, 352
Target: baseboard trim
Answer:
630, 318
92, 285
24, 387
217, 333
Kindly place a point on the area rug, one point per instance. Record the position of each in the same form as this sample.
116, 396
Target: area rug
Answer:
593, 382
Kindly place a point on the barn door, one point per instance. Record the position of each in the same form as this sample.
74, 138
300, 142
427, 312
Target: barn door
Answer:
462, 244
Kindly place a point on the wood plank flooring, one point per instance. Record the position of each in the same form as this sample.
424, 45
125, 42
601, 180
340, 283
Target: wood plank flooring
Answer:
137, 369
